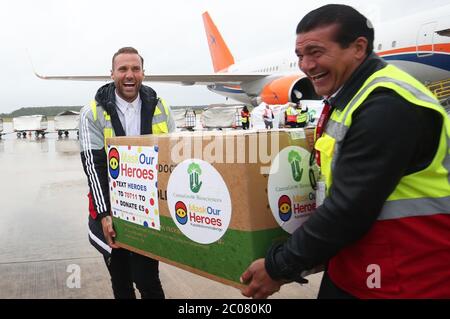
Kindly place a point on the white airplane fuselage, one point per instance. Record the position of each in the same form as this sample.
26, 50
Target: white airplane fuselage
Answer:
412, 43
419, 44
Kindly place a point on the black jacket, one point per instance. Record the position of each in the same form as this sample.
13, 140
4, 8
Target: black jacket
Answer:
388, 139
106, 97
93, 155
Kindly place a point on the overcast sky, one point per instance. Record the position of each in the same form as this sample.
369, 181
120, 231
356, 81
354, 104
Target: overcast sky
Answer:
78, 37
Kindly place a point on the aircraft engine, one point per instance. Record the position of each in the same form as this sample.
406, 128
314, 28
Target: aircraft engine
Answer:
288, 89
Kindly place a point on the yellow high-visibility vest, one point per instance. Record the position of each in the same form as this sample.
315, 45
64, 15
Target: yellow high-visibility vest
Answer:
159, 120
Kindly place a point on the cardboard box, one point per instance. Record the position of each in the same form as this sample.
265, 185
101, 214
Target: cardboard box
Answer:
220, 199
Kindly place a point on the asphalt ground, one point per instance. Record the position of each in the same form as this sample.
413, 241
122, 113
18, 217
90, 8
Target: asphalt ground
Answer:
44, 246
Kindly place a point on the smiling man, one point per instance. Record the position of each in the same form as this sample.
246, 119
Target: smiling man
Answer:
123, 107
383, 229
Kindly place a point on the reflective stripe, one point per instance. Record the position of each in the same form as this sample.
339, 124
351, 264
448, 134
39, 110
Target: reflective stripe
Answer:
339, 130
446, 162
336, 130
419, 95
159, 119
414, 207
161, 116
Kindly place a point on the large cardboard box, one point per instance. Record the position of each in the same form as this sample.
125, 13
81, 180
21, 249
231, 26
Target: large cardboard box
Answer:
210, 202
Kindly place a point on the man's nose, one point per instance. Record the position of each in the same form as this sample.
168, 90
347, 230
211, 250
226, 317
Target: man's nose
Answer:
129, 74
306, 64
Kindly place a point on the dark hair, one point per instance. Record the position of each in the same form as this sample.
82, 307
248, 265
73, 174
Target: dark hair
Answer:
127, 50
351, 23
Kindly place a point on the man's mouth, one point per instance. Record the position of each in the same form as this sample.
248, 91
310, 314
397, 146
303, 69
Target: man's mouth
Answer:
129, 85
319, 76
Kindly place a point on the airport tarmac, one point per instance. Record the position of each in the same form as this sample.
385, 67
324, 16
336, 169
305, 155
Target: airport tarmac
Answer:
43, 230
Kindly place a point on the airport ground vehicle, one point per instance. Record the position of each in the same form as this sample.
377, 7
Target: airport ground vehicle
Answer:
185, 118
1, 128
29, 124
222, 117
67, 121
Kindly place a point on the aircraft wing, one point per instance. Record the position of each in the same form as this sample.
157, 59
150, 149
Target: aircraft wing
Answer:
183, 79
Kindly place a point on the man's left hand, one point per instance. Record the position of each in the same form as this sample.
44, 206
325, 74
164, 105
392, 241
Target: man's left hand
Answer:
260, 285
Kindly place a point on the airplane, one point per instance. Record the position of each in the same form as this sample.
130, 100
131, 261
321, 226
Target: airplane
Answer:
419, 44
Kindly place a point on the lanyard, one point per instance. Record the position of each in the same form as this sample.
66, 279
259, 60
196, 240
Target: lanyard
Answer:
324, 116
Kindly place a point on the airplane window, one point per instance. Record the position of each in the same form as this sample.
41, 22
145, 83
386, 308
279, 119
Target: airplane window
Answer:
394, 44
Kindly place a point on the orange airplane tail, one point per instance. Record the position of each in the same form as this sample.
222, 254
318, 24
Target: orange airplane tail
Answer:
220, 54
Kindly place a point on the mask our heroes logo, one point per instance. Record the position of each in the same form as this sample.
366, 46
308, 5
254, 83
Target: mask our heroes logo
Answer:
114, 163
200, 207
290, 193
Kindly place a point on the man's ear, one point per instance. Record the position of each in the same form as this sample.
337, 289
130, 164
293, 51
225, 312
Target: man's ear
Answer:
112, 74
360, 45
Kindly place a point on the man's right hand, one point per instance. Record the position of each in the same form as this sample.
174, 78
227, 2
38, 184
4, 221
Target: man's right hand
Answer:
108, 231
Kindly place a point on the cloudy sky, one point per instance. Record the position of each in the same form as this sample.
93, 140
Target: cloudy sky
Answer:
78, 37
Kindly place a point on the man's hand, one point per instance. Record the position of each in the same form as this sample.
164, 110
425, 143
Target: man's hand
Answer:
108, 231
260, 285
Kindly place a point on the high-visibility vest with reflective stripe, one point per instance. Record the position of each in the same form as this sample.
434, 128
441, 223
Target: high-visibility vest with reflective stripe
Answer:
406, 253
291, 117
302, 117
244, 117
159, 120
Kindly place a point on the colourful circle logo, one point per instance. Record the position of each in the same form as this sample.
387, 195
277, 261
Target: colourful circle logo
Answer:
284, 208
181, 212
114, 161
